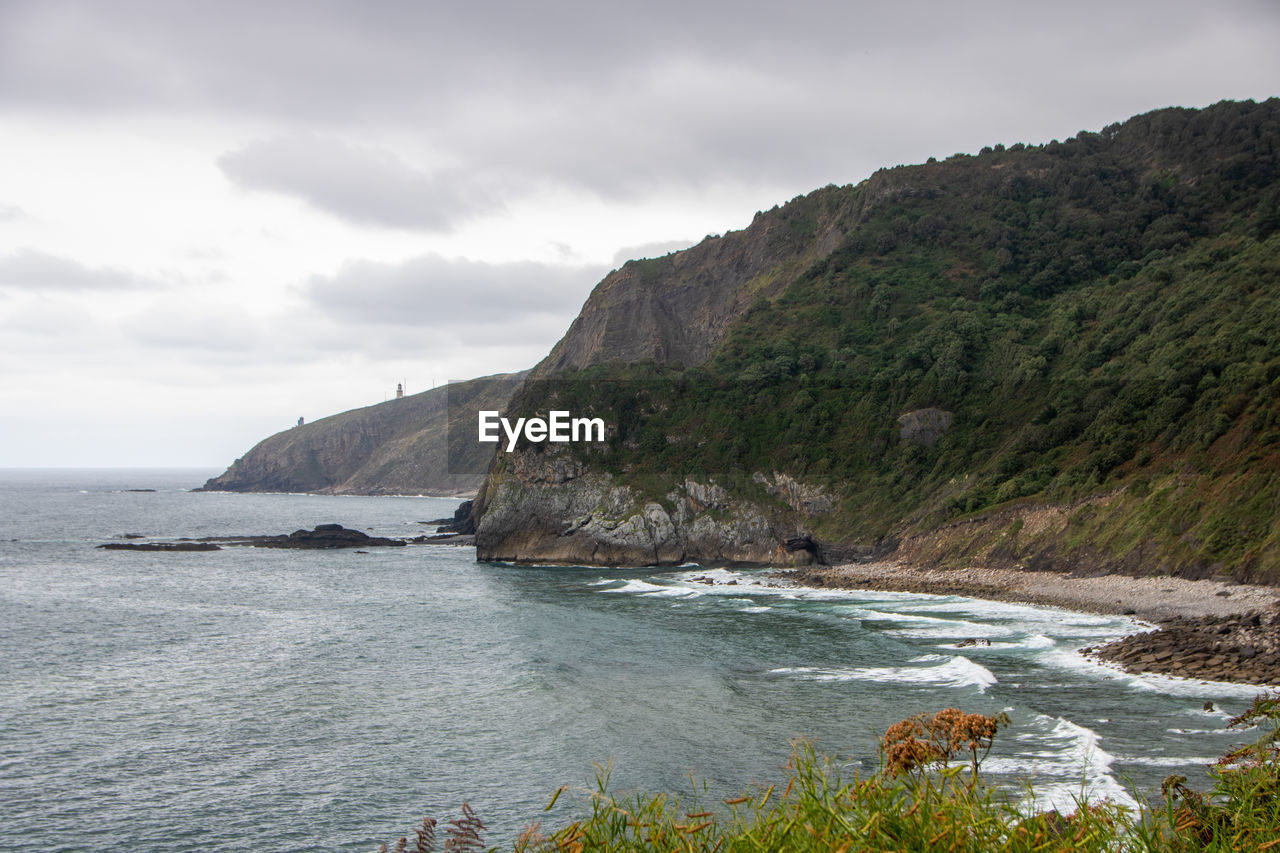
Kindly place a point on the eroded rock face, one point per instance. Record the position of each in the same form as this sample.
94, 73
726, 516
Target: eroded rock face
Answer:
674, 310
547, 468
924, 426
809, 500
592, 520
700, 497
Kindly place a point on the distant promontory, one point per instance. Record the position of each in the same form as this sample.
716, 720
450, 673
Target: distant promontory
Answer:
402, 446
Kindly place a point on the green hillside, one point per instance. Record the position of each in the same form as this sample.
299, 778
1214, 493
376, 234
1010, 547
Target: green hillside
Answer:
1099, 317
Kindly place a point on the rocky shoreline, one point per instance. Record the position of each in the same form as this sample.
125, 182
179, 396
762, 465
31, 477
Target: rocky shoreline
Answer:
1207, 629
1218, 648
323, 537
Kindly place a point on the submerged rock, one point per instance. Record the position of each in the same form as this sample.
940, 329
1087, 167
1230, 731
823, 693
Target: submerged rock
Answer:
324, 536
161, 546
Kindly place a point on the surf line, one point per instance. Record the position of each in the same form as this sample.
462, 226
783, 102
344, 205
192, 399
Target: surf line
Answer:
558, 426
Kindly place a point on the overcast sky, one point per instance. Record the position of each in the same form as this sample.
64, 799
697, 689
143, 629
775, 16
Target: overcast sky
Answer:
218, 217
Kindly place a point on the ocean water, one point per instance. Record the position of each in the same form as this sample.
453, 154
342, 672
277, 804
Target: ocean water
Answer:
255, 699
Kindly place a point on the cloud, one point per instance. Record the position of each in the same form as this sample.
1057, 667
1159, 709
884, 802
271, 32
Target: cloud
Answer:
433, 292
184, 323
45, 325
622, 99
32, 270
9, 213
362, 185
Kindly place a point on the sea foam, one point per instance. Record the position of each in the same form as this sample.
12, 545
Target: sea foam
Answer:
1078, 767
943, 671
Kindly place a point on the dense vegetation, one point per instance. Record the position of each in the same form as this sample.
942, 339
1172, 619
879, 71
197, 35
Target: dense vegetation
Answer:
928, 796
1101, 315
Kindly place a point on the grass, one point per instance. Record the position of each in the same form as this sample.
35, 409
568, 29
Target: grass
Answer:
929, 795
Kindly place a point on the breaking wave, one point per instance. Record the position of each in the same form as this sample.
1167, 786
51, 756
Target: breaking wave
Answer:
952, 671
1071, 765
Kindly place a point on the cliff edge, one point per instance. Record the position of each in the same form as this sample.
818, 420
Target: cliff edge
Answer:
402, 446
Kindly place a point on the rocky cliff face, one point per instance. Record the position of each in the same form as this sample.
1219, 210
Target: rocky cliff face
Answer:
675, 310
402, 446
547, 507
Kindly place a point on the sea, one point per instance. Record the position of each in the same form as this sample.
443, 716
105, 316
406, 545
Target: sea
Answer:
270, 700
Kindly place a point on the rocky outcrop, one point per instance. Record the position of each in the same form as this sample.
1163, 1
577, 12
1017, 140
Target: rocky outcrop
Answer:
420, 444
160, 546
462, 523
924, 426
323, 537
676, 309
1231, 648
545, 507
805, 499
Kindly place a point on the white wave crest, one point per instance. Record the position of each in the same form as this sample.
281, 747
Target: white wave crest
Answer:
959, 628
1074, 754
928, 627
952, 671
1170, 685
635, 586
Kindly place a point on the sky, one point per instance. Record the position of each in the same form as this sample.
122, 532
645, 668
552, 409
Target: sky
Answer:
216, 218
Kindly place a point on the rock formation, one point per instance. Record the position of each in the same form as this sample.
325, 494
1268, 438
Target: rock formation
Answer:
675, 310
549, 509
323, 537
420, 444
1220, 648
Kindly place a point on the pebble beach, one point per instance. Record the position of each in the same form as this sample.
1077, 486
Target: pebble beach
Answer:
1207, 629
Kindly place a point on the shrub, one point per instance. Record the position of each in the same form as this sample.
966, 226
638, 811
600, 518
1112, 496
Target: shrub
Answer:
917, 802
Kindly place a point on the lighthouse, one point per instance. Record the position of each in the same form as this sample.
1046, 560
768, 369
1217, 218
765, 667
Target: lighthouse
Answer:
399, 390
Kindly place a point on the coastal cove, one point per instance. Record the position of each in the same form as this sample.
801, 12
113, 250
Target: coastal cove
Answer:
258, 698
1209, 629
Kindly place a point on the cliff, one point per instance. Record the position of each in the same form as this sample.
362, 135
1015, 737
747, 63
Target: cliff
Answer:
547, 507
402, 446
939, 359
675, 309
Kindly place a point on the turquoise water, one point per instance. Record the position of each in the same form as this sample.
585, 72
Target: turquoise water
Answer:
254, 699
